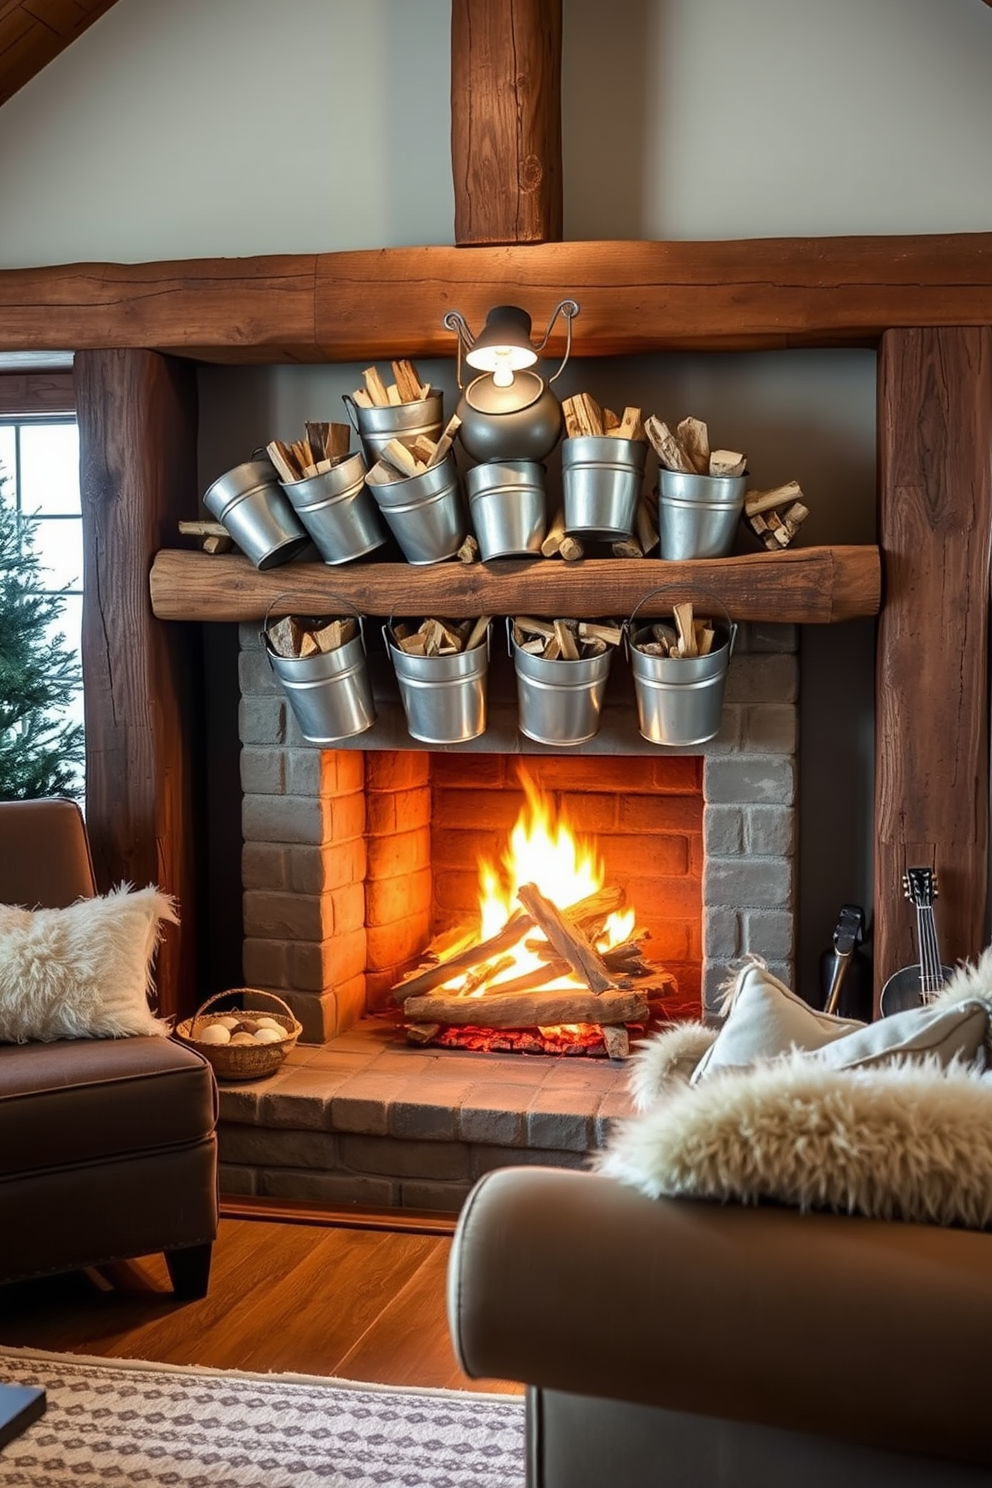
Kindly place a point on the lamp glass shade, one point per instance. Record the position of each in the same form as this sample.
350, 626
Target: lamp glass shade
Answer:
503, 345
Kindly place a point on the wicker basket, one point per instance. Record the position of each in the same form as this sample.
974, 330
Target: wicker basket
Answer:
242, 1061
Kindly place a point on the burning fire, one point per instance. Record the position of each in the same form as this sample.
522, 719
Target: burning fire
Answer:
543, 850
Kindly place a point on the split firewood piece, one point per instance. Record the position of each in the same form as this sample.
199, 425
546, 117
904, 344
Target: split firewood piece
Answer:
668, 449
478, 631
529, 1010
773, 499
780, 529
283, 637
631, 425
553, 537
336, 633
727, 462
469, 550
283, 459
213, 537
566, 641
423, 449
401, 458
447, 440
531, 627
611, 422
684, 626
375, 387
567, 940
422, 1033
557, 541
693, 435
627, 547
646, 528
583, 416
617, 1040
407, 382
383, 474
422, 982
589, 630
318, 432
550, 969
361, 397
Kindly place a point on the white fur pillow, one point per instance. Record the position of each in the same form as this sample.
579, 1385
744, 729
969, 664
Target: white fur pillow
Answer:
908, 1141
84, 971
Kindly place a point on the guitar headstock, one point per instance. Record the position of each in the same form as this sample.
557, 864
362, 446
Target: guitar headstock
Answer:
920, 887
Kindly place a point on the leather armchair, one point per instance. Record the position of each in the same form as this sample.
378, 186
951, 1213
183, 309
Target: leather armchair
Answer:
107, 1146
684, 1344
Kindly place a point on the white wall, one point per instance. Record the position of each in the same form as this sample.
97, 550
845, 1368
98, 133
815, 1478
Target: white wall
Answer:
235, 127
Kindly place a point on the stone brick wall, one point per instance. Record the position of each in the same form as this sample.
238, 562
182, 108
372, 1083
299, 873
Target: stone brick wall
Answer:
337, 854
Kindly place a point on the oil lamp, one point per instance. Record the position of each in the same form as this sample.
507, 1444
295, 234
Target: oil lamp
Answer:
508, 412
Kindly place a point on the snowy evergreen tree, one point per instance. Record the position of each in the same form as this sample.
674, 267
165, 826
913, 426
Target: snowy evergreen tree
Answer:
40, 752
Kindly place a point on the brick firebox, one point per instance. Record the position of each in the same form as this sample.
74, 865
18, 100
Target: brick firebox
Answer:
354, 857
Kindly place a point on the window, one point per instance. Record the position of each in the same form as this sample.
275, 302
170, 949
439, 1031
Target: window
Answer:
39, 475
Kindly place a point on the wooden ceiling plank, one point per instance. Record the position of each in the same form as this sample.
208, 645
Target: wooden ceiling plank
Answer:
506, 121
33, 32
635, 297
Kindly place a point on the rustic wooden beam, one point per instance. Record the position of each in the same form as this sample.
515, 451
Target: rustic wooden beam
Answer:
32, 32
506, 121
137, 426
931, 729
801, 586
37, 393
635, 297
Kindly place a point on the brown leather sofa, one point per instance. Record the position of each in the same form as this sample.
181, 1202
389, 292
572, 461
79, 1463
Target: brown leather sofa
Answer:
107, 1146
684, 1344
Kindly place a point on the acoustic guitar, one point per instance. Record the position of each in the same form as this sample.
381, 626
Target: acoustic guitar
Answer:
914, 986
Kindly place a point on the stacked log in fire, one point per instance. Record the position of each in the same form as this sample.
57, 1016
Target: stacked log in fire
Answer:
577, 999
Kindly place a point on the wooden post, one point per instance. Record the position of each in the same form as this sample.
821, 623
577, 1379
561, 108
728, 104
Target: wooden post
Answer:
506, 121
137, 434
931, 723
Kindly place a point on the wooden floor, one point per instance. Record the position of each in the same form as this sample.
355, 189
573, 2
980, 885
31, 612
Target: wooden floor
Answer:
311, 1298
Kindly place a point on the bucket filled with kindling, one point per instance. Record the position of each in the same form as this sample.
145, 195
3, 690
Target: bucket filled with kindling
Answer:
322, 666
405, 409
441, 668
252, 505
679, 664
562, 667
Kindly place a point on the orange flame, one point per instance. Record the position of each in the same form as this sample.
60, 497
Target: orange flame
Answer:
544, 850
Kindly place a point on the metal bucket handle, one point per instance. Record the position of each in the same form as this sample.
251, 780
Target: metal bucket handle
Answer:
351, 408
628, 625
286, 595
390, 639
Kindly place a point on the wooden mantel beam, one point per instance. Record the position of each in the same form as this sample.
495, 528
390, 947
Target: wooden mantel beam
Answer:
506, 121
635, 297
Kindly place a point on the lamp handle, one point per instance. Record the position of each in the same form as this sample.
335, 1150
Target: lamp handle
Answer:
455, 321
568, 308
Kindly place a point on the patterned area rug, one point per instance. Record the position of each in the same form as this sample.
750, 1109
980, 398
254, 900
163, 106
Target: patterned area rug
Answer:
123, 1422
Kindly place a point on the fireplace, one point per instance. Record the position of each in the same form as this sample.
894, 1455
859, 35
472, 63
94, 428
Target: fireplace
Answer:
354, 858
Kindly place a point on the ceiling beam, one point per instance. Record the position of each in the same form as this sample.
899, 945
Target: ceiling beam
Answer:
634, 297
506, 121
32, 32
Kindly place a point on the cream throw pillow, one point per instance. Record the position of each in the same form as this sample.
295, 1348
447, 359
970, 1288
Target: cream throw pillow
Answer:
764, 1021
84, 971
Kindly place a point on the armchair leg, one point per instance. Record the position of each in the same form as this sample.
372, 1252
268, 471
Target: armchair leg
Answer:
189, 1270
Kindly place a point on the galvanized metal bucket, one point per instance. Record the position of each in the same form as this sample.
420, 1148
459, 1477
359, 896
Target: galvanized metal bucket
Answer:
698, 515
444, 697
507, 507
559, 702
424, 512
680, 698
338, 511
403, 421
601, 485
252, 505
329, 692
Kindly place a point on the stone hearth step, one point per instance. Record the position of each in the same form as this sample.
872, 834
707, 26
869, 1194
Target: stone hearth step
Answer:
367, 1120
